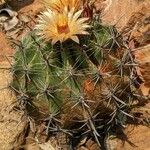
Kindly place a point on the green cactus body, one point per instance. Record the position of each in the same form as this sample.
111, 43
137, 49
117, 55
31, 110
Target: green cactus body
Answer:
74, 81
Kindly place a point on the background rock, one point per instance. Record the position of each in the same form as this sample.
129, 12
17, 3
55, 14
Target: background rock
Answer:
118, 12
138, 138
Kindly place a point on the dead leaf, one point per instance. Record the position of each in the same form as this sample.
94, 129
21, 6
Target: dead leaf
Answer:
8, 18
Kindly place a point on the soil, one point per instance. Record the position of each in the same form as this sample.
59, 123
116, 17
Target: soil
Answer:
14, 124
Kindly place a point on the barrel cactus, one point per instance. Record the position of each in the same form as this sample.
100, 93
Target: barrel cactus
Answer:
72, 70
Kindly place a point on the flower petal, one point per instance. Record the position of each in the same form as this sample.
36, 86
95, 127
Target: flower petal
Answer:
75, 38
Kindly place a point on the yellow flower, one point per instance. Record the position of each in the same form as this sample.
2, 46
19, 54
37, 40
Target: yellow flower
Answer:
62, 26
59, 5
74, 4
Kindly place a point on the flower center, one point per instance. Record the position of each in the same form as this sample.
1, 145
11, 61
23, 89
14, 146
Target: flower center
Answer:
62, 24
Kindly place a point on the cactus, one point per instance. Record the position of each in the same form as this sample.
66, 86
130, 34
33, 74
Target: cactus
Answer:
82, 87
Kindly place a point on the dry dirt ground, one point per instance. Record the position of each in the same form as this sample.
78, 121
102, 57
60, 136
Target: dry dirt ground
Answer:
129, 16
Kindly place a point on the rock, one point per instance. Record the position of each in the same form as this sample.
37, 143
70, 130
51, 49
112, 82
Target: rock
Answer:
18, 4
142, 57
118, 12
5, 49
138, 138
138, 27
